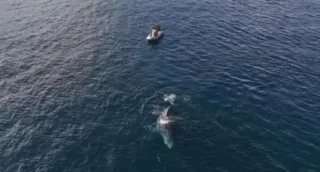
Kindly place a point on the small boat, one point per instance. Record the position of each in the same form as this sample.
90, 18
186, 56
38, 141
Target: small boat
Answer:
155, 38
156, 33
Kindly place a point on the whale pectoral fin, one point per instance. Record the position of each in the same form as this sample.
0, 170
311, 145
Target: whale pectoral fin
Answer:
170, 111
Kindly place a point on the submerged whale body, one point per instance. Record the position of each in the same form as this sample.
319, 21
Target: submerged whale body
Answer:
164, 126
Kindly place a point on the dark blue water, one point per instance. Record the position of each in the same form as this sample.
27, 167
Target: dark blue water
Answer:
79, 85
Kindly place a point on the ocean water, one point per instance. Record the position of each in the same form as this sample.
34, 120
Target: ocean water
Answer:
80, 86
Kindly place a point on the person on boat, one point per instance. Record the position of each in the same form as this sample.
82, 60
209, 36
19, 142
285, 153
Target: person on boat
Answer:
155, 30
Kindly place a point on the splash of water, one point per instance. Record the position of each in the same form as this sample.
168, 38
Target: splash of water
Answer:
169, 98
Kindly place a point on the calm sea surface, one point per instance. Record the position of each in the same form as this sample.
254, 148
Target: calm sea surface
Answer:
79, 85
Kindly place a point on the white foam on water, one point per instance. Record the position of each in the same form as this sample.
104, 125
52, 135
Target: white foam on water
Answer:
185, 98
157, 110
169, 98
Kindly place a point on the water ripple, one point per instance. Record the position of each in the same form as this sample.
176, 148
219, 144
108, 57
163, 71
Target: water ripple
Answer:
79, 84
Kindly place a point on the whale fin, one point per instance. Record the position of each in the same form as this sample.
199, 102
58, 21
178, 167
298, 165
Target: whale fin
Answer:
170, 111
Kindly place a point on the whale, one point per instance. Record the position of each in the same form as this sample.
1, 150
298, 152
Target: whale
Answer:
165, 125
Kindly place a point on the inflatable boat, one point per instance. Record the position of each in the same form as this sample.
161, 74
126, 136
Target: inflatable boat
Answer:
155, 38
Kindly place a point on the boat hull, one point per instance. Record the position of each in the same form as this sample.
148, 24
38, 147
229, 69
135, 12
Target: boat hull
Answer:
151, 39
